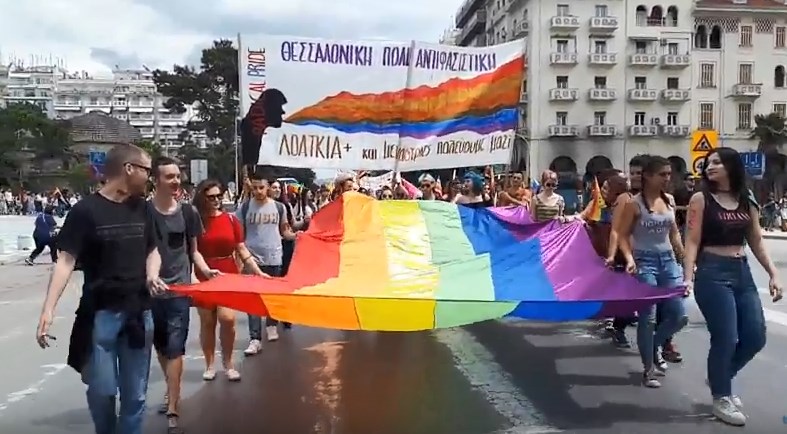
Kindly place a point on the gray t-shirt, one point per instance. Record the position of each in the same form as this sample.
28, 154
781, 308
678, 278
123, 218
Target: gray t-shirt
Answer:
171, 239
263, 237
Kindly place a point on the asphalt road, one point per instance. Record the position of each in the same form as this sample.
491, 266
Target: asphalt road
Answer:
498, 377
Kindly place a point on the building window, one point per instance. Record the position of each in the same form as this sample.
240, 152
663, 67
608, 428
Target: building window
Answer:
706, 116
601, 10
641, 47
780, 109
640, 83
600, 47
714, 40
562, 81
744, 116
672, 118
745, 36
673, 83
562, 10
745, 73
600, 82
707, 73
561, 118
672, 48
639, 118
562, 46
780, 37
600, 118
778, 76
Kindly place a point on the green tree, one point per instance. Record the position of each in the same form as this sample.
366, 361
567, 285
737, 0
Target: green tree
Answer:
771, 132
212, 89
154, 149
27, 135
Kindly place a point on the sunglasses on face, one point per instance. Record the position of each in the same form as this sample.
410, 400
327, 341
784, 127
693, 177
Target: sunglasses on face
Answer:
213, 196
387, 196
426, 185
550, 185
141, 167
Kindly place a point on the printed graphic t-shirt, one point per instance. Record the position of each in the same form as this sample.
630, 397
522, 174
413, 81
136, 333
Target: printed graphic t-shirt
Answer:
172, 236
263, 238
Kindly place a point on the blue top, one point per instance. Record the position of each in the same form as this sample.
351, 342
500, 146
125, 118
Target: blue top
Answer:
45, 225
651, 231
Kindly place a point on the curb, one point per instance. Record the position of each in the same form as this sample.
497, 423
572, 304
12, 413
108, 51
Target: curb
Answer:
776, 236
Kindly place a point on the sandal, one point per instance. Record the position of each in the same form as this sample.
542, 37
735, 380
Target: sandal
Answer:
233, 375
209, 374
172, 424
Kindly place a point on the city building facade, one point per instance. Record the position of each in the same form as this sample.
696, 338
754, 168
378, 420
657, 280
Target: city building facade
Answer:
129, 95
610, 79
740, 56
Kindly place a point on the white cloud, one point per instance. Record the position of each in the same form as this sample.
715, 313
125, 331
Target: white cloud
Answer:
94, 35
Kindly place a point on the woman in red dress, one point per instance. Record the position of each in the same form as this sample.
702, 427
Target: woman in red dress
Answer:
220, 244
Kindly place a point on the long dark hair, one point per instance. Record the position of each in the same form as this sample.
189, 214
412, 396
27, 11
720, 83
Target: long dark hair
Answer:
736, 173
652, 165
200, 201
284, 198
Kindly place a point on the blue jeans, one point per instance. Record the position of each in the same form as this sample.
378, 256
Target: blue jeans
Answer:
728, 299
114, 366
171, 325
255, 322
658, 269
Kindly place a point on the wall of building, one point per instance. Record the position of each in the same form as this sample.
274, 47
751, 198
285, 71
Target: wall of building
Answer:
727, 58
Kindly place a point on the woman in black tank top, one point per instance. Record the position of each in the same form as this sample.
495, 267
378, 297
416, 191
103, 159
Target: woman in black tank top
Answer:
721, 220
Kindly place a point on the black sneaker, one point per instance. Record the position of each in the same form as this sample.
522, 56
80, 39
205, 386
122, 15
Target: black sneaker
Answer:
619, 339
29, 261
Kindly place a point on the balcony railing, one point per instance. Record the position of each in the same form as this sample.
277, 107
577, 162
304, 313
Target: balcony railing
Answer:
643, 130
644, 59
643, 94
645, 21
560, 94
606, 59
675, 130
676, 95
675, 60
602, 130
564, 22
563, 131
603, 24
749, 90
602, 94
563, 58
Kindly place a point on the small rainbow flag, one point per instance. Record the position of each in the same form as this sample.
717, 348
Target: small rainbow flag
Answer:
596, 202
419, 265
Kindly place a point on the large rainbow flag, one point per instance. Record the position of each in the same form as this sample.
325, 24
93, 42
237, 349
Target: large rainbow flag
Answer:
419, 265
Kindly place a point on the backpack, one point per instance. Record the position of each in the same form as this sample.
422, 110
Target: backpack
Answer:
244, 211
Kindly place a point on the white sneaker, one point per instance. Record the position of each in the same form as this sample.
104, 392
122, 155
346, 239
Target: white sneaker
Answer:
649, 379
273, 333
255, 347
726, 411
736, 400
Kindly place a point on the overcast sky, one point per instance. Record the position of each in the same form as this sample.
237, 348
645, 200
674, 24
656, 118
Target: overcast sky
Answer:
96, 35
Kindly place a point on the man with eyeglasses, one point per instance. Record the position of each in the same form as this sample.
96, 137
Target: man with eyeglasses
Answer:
111, 235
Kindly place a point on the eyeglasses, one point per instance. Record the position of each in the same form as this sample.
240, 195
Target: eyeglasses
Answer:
387, 196
139, 166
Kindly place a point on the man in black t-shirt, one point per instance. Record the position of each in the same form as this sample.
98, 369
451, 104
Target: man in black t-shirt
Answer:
110, 236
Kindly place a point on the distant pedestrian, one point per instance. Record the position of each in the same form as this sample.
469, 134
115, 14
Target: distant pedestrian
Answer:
44, 235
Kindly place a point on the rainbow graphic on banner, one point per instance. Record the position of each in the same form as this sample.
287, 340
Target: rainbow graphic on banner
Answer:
419, 265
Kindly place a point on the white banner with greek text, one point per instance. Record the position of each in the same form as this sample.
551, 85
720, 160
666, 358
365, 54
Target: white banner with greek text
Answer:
377, 105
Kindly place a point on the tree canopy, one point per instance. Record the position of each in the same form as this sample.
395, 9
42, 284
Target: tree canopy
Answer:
26, 134
771, 131
212, 88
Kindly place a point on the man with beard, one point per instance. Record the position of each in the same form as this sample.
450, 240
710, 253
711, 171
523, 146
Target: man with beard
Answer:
111, 235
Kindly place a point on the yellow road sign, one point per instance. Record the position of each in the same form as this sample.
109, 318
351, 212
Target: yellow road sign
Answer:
702, 142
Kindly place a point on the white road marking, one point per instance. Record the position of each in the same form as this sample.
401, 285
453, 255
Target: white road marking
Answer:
34, 388
478, 365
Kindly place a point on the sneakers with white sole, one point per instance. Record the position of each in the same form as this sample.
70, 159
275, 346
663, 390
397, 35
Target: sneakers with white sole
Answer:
726, 411
255, 347
273, 333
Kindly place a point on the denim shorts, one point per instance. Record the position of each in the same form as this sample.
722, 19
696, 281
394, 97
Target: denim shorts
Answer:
171, 325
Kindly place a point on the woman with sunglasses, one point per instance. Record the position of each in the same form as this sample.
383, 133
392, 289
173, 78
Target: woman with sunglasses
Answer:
547, 204
220, 244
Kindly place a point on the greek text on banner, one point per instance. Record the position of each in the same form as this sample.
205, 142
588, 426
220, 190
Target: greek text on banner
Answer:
384, 105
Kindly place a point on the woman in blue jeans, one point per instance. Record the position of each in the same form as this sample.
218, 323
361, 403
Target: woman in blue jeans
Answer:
721, 220
649, 239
